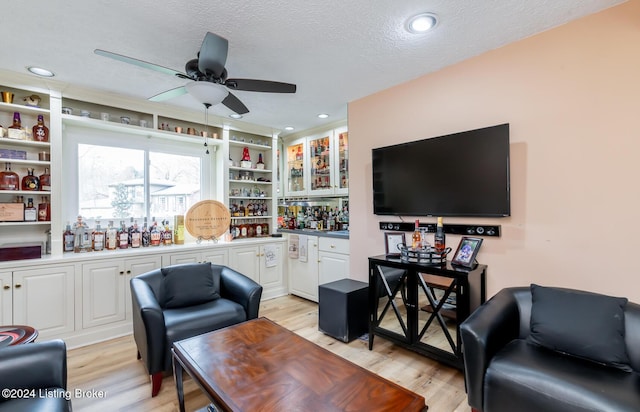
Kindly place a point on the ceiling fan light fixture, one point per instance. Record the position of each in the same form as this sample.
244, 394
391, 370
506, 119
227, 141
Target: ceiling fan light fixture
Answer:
207, 92
235, 116
421, 23
288, 128
323, 115
39, 71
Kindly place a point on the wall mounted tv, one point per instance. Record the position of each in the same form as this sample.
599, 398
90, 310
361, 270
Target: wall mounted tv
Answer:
460, 174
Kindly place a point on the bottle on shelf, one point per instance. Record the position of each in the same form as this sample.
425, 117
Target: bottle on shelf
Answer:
155, 235
112, 237
98, 238
167, 235
416, 238
123, 236
68, 239
30, 182
9, 179
17, 123
439, 237
45, 180
30, 212
44, 210
40, 131
178, 226
136, 235
146, 235
260, 164
81, 237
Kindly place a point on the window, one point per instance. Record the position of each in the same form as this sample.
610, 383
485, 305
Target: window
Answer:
138, 178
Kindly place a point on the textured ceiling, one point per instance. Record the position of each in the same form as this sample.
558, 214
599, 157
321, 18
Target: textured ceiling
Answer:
336, 51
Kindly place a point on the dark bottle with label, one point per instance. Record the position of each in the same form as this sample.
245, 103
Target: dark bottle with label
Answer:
68, 238
17, 123
30, 182
45, 180
146, 235
40, 131
439, 238
9, 179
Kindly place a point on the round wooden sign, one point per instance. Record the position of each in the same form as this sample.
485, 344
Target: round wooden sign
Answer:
207, 219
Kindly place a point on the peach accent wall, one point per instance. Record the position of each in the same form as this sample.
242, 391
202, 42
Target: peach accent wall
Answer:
572, 98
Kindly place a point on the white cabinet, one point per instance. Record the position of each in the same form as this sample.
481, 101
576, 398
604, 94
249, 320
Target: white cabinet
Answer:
218, 256
334, 259
303, 274
44, 298
6, 298
106, 296
263, 264
295, 183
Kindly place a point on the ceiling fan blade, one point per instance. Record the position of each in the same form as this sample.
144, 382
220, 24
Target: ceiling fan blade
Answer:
169, 94
233, 103
252, 85
213, 54
140, 63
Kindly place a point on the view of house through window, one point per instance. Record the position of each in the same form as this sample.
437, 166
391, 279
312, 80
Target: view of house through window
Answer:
114, 183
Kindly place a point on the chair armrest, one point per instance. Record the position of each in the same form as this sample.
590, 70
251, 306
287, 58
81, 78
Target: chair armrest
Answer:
37, 365
241, 289
148, 325
483, 334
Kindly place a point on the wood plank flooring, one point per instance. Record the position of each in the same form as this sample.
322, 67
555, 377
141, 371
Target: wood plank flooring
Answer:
112, 367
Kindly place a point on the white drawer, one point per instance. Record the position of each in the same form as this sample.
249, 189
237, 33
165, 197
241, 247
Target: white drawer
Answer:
329, 244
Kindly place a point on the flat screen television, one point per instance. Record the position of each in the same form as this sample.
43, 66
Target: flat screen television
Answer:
460, 174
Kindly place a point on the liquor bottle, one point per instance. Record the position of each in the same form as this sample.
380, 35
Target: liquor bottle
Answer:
45, 180
44, 210
30, 182
167, 235
112, 237
136, 236
40, 131
260, 164
439, 238
155, 234
81, 237
241, 209
415, 238
9, 179
98, 237
123, 236
30, 212
17, 123
67, 239
178, 226
146, 235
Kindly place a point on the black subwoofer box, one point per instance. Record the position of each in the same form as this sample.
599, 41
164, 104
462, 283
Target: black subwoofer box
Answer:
343, 309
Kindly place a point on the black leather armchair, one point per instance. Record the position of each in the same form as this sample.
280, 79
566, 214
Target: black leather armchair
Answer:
39, 368
506, 371
173, 303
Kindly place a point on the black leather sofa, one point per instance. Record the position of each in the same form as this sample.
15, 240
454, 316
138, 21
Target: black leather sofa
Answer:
182, 301
33, 377
516, 361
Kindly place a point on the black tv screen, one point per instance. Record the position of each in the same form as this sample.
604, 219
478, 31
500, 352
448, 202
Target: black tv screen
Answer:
460, 174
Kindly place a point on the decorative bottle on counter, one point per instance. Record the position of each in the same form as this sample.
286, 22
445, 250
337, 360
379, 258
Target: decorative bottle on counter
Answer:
40, 131
416, 238
81, 237
146, 236
17, 123
178, 226
9, 179
30, 182
98, 237
67, 239
44, 210
30, 212
439, 238
112, 237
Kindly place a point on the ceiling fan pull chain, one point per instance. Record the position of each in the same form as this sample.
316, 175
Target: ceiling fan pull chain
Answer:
206, 126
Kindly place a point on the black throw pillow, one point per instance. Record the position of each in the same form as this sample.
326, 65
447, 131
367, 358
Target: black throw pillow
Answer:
582, 324
189, 284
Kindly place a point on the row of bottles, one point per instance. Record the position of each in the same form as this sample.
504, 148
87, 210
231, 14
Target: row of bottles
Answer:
316, 217
39, 132
253, 208
9, 180
80, 238
419, 238
32, 214
241, 229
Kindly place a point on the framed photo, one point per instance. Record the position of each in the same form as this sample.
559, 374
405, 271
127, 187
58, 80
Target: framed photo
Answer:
391, 242
467, 251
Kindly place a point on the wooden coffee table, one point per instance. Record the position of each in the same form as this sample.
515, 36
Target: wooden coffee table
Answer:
259, 365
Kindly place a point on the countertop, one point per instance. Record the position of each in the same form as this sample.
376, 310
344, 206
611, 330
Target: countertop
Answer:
340, 234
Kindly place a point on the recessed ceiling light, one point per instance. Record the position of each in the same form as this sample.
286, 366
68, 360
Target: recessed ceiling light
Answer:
288, 128
40, 71
421, 23
235, 116
323, 115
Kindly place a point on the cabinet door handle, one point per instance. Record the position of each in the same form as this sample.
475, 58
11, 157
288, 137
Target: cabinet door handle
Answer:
7, 287
332, 246
121, 272
128, 272
18, 285
258, 255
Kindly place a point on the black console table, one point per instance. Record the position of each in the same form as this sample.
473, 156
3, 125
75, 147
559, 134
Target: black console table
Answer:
405, 308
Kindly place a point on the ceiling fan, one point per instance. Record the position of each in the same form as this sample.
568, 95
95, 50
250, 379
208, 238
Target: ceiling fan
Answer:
210, 83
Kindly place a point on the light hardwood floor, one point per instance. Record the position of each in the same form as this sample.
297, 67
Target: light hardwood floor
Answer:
112, 367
